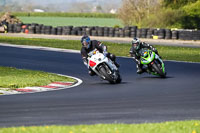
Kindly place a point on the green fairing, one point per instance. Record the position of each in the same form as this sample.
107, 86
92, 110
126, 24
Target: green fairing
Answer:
148, 59
163, 67
148, 56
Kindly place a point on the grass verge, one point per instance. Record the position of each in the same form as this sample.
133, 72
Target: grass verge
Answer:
18, 78
165, 127
167, 52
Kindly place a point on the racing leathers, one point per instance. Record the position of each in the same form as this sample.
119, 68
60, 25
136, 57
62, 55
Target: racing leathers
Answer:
94, 44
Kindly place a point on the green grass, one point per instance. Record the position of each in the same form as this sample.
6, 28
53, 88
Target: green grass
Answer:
55, 43
165, 127
19, 78
179, 53
167, 52
74, 21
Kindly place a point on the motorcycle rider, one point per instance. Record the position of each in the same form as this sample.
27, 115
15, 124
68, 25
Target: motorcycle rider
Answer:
134, 52
89, 45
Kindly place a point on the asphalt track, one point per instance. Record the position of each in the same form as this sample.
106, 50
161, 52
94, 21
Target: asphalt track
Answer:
138, 99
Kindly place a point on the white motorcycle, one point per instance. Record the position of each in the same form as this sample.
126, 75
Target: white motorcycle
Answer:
103, 67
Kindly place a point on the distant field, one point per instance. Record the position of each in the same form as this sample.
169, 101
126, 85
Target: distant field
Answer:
75, 21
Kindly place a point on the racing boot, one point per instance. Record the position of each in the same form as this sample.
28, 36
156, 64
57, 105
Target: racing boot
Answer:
113, 58
139, 69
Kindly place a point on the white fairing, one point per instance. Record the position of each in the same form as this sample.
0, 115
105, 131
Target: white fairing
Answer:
99, 58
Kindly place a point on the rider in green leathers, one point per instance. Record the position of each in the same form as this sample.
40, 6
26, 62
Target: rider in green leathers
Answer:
134, 52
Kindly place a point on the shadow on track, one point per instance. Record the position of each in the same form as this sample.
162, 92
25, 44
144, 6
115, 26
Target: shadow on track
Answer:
154, 77
107, 83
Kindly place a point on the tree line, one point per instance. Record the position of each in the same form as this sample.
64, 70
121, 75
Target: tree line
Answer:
161, 13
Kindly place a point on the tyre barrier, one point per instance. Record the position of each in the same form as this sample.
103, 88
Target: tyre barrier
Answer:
161, 33
150, 33
175, 34
168, 34
127, 31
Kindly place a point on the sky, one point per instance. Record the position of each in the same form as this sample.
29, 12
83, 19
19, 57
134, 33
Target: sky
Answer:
65, 5
45, 2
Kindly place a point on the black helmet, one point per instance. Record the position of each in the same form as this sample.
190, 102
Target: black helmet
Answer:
85, 41
136, 43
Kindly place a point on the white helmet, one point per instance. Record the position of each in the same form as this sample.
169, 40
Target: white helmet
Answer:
136, 43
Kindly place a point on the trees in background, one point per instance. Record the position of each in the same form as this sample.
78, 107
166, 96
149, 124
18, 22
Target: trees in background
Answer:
161, 13
134, 12
191, 19
176, 4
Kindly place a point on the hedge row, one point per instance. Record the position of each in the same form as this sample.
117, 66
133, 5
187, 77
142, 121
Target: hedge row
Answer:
64, 14
132, 31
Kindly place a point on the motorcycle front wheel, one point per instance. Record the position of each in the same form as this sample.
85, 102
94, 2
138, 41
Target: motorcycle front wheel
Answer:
158, 70
108, 77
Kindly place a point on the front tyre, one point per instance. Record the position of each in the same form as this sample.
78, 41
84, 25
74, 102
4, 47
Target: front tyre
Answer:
108, 77
119, 79
158, 70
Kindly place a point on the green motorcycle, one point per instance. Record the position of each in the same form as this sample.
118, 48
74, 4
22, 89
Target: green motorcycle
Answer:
152, 63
